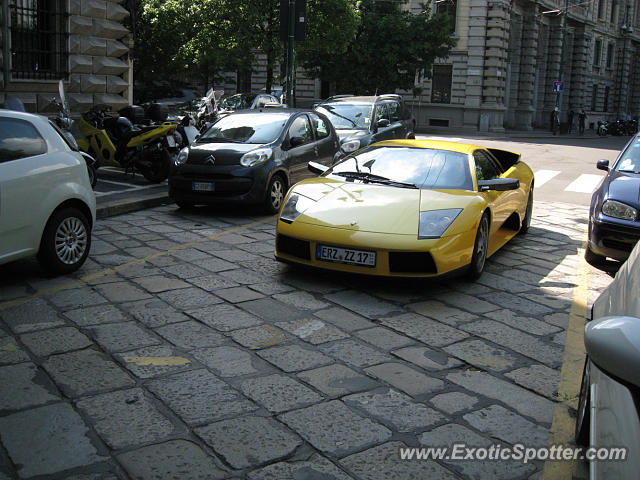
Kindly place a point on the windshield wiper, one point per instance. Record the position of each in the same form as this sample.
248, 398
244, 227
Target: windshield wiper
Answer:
330, 109
371, 178
217, 140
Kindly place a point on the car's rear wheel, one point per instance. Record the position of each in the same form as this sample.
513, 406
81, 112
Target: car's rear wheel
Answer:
480, 248
275, 194
583, 417
526, 221
65, 242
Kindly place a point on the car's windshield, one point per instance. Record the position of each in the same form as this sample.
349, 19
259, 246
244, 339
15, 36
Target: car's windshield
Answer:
237, 102
426, 168
256, 128
630, 159
348, 115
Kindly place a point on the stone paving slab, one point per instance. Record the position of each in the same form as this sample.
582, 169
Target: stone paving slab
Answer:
215, 361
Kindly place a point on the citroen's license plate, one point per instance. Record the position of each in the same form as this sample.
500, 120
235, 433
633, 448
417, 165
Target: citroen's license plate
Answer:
171, 141
203, 186
346, 255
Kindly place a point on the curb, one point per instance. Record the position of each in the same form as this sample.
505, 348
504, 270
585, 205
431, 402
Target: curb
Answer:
119, 207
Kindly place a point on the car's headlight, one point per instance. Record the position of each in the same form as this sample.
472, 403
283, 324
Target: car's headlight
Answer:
255, 157
294, 207
434, 222
350, 146
182, 156
614, 209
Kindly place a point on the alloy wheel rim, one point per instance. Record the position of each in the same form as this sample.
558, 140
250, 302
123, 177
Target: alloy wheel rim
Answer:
276, 194
483, 234
70, 240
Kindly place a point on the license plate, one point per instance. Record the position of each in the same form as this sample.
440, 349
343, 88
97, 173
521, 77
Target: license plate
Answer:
171, 141
203, 186
346, 255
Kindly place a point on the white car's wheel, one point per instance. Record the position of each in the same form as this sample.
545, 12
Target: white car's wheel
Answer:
65, 242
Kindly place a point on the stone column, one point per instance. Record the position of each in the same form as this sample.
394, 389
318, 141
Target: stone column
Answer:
579, 71
526, 82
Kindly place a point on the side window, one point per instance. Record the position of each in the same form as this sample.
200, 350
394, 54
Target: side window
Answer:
262, 101
319, 127
301, 128
485, 167
394, 111
381, 111
19, 139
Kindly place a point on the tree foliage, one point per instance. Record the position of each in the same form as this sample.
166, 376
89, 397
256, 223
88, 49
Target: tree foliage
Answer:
361, 46
390, 45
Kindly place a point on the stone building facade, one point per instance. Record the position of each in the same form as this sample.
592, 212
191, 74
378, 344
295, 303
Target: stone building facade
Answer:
83, 42
509, 54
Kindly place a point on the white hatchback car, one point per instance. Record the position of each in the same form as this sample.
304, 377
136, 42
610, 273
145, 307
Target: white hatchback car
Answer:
47, 206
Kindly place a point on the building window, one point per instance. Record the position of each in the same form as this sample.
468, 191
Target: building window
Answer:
597, 53
601, 8
441, 84
614, 12
594, 98
605, 107
449, 7
610, 54
38, 39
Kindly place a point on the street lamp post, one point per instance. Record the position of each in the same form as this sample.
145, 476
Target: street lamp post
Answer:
563, 28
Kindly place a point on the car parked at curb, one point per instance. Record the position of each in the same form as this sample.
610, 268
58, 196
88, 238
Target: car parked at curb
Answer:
363, 120
609, 402
47, 205
614, 216
252, 157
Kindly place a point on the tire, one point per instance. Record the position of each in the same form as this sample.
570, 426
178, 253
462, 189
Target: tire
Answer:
526, 221
158, 168
480, 246
66, 241
593, 258
93, 175
183, 203
275, 194
583, 417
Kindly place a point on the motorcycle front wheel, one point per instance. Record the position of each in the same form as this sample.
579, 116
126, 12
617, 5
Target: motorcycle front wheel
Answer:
155, 165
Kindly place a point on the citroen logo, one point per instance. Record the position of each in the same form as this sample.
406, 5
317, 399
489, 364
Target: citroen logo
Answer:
210, 160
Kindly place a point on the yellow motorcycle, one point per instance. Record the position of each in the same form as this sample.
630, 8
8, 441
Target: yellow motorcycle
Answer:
117, 142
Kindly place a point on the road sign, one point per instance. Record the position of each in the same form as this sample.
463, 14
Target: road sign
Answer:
558, 86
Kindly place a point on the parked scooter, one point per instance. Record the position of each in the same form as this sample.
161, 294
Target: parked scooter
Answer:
208, 112
116, 142
64, 122
603, 127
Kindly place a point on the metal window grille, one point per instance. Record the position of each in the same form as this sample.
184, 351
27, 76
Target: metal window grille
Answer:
39, 39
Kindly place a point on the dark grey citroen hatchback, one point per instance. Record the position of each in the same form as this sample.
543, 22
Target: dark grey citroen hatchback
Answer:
252, 157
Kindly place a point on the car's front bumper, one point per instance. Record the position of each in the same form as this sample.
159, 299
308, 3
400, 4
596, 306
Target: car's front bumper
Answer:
396, 255
611, 237
233, 184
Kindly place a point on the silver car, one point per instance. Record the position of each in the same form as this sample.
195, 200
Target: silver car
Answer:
609, 405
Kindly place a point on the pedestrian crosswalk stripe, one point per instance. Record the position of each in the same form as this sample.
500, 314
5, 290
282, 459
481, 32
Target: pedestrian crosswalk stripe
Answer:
543, 176
585, 183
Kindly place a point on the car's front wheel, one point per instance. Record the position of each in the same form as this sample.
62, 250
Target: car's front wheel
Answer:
526, 221
275, 194
65, 242
480, 248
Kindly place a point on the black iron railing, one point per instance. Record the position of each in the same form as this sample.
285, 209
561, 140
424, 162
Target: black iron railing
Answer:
39, 39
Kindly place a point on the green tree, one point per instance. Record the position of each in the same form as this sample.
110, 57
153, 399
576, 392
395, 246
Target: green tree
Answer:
390, 45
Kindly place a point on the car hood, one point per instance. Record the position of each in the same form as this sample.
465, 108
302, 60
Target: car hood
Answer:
346, 135
223, 153
624, 187
371, 207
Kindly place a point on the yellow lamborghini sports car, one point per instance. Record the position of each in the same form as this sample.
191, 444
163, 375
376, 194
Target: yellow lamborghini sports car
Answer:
409, 208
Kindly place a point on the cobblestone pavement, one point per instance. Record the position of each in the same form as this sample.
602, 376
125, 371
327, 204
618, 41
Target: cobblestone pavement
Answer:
184, 350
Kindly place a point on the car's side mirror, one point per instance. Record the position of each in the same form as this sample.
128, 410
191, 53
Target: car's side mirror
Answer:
498, 184
613, 344
383, 122
296, 141
603, 165
317, 168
